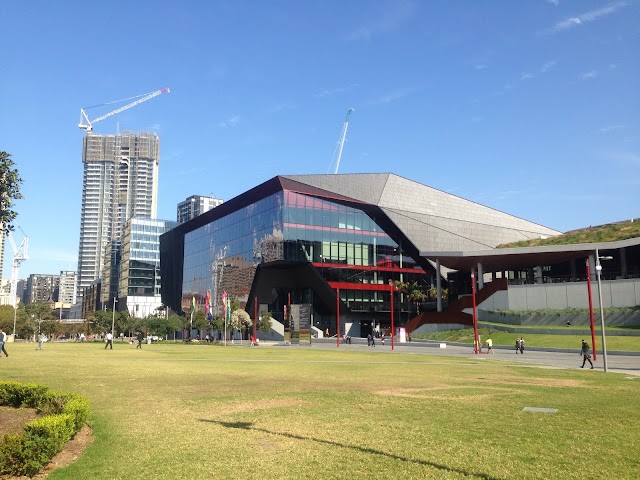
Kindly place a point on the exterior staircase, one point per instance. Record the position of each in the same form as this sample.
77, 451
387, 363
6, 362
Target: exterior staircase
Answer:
455, 311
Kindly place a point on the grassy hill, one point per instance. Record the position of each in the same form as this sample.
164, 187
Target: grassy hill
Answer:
602, 233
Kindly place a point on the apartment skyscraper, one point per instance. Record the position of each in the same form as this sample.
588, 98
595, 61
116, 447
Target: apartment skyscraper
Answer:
120, 181
195, 205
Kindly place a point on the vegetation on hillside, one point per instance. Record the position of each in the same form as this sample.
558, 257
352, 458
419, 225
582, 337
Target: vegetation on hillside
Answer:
601, 233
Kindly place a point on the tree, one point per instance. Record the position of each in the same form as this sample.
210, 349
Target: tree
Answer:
264, 325
9, 191
176, 322
38, 312
199, 321
416, 295
239, 320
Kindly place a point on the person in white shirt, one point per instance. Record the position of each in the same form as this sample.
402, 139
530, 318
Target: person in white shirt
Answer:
109, 341
3, 340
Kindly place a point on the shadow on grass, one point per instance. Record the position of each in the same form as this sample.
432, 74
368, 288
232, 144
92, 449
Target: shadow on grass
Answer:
249, 426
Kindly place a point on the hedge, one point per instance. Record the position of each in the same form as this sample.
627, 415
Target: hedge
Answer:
62, 415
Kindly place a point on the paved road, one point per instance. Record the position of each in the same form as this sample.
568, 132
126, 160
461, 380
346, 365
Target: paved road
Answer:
618, 363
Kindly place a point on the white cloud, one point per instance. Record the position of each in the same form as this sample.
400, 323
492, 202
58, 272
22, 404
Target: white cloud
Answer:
480, 67
548, 66
230, 122
610, 128
587, 17
526, 76
281, 107
588, 75
555, 3
393, 96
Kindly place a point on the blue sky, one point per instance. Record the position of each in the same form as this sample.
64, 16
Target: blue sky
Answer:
531, 108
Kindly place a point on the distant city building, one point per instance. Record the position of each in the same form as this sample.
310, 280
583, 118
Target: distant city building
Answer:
67, 287
21, 288
196, 205
41, 288
120, 181
110, 272
90, 301
5, 292
139, 277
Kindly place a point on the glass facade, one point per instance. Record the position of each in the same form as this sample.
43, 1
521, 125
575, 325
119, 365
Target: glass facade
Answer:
343, 243
140, 257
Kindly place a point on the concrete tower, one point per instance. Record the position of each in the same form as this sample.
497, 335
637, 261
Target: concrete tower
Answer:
120, 181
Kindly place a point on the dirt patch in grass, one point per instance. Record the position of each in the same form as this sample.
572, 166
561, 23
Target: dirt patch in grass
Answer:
538, 382
429, 394
13, 420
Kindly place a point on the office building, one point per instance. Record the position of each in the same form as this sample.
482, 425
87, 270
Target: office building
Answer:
139, 277
196, 205
120, 181
67, 288
41, 288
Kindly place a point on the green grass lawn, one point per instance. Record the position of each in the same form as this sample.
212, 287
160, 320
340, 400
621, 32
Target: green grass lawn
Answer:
208, 412
500, 337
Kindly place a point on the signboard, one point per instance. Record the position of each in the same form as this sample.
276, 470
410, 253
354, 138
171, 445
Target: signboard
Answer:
299, 325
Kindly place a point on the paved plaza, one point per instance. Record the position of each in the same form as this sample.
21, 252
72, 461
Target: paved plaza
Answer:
617, 362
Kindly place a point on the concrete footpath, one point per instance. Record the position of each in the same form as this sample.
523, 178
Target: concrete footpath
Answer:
617, 362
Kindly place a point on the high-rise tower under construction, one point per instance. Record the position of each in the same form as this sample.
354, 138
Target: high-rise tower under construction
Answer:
120, 181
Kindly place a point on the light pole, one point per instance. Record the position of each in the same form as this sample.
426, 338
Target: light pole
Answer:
598, 273
113, 316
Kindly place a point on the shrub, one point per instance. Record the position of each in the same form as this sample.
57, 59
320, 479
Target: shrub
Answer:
14, 394
63, 414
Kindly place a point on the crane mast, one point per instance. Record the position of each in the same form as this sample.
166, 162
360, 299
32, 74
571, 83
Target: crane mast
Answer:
20, 254
343, 136
87, 125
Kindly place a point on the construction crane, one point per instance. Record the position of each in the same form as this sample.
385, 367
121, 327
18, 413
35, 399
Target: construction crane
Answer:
87, 125
340, 145
20, 254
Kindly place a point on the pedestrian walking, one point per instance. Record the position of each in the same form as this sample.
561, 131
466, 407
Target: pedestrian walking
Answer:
586, 356
369, 337
39, 347
490, 346
517, 345
139, 338
521, 345
3, 340
109, 341
382, 340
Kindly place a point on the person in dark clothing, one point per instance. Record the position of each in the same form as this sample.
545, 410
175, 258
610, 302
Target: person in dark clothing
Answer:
139, 338
586, 356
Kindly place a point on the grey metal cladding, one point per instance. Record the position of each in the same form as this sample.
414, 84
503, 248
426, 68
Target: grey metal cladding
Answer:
365, 187
431, 219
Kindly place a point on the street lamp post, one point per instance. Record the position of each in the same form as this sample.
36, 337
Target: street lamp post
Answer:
598, 274
113, 316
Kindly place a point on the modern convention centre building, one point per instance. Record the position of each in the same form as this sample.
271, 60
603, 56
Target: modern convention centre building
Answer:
338, 243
